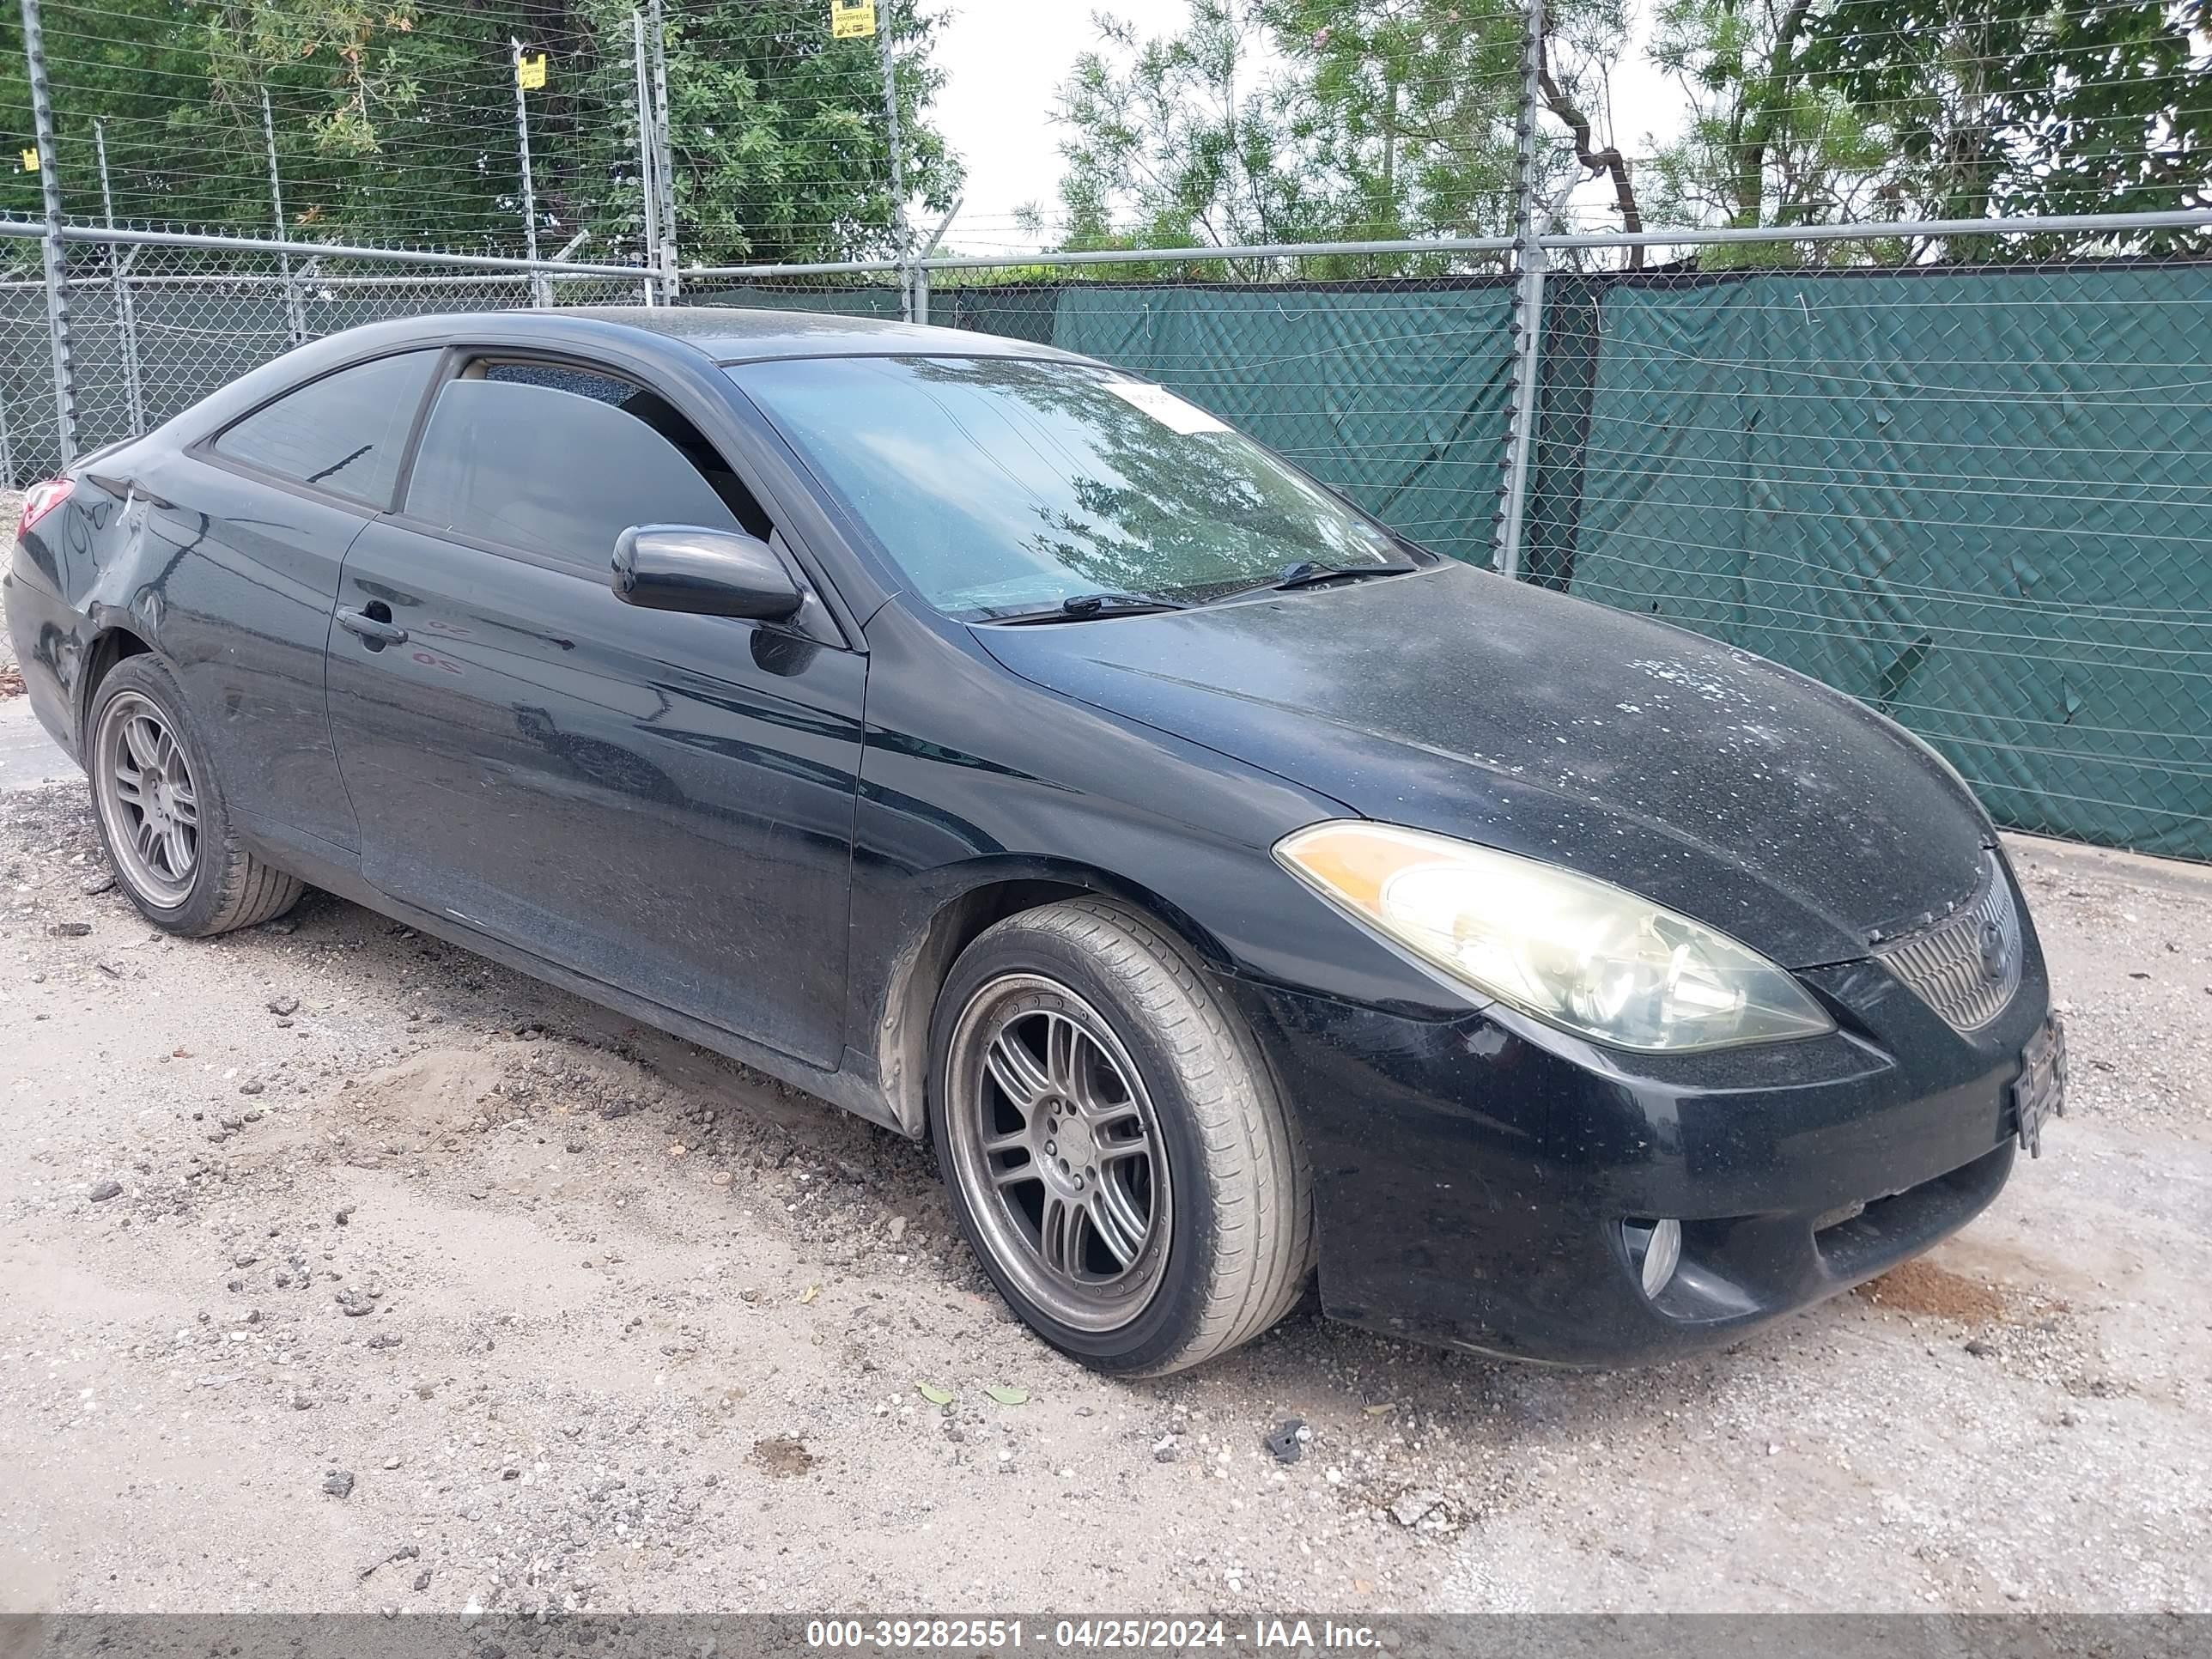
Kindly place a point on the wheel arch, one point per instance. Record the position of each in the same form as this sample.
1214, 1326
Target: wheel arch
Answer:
990, 891
109, 646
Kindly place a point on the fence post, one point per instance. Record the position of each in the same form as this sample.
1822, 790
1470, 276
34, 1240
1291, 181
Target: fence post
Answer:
539, 294
295, 316
126, 322
664, 147
919, 311
1528, 305
57, 254
648, 161
898, 160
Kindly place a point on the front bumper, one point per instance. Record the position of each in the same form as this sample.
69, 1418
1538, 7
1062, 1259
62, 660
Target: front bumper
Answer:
1472, 1176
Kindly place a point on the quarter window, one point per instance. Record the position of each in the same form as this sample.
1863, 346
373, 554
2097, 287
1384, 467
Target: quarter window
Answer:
559, 461
343, 433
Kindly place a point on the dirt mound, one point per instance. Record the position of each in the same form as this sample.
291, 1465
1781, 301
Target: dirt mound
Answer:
1922, 1287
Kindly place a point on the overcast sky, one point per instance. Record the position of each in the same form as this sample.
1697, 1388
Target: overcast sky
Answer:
1006, 60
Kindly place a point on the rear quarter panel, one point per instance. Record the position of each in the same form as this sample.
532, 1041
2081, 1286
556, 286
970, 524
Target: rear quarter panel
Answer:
49, 581
234, 582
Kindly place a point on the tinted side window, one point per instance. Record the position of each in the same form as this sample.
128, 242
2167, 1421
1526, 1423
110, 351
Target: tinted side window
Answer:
345, 432
558, 472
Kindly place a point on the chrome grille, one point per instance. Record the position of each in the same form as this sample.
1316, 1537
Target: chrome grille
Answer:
1966, 966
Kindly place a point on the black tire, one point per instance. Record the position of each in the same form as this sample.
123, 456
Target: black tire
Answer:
1233, 1219
220, 886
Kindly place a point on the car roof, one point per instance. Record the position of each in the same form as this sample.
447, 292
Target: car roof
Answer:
726, 334
734, 333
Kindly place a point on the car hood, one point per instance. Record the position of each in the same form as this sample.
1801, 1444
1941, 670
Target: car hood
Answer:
1719, 784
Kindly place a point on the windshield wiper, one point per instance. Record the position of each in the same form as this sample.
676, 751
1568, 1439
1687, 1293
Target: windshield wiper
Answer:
1078, 607
1306, 573
1311, 573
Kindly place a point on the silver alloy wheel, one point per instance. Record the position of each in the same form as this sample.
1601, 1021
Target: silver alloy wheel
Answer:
146, 799
1059, 1152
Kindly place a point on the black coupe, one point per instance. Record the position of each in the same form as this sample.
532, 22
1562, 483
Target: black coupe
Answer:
1001, 747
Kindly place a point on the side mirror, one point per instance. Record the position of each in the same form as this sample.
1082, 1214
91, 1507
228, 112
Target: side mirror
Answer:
708, 573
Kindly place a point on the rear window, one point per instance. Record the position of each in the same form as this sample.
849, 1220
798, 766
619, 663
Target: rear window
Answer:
344, 433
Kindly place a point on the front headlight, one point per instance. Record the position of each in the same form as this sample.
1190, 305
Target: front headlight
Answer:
1567, 948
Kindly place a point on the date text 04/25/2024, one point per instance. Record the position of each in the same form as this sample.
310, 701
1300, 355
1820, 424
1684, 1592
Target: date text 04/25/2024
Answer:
1170, 1634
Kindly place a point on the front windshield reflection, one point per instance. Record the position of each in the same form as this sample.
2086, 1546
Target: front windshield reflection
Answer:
1001, 485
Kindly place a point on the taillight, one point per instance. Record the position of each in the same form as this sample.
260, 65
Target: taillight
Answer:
41, 499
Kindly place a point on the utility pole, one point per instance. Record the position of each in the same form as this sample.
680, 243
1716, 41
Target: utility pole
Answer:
126, 319
56, 255
1528, 306
540, 296
295, 316
664, 149
898, 157
647, 156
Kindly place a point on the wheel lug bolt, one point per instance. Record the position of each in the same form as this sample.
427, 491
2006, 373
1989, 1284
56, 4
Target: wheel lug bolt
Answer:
1051, 1148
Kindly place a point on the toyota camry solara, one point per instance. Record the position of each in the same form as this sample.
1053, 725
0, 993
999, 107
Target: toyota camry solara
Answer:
998, 746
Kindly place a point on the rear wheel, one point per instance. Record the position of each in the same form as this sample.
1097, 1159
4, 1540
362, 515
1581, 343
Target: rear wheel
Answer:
1117, 1153
162, 814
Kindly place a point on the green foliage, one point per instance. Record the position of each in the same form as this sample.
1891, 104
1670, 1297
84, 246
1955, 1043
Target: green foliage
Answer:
1325, 120
1183, 141
1819, 111
1762, 145
2029, 106
1316, 120
395, 121
1420, 99
778, 132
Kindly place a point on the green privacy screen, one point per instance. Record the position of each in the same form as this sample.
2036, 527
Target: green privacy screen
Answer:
1394, 394
1978, 498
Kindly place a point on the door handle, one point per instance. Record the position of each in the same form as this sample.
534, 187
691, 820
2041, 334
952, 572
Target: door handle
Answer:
376, 632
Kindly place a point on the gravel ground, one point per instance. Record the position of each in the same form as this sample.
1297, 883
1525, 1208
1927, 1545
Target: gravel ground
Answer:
340, 1269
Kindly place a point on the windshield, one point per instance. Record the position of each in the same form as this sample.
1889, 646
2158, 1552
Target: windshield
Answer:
1001, 486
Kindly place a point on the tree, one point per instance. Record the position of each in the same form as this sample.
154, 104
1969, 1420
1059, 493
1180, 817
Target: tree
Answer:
1809, 111
1185, 141
779, 133
1422, 97
395, 120
1763, 143
2028, 106
1326, 120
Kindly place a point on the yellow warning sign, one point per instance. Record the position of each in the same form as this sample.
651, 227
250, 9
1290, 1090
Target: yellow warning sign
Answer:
530, 72
852, 19
30, 161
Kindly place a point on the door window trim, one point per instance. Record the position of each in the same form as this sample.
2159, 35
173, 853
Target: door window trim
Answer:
819, 620
202, 448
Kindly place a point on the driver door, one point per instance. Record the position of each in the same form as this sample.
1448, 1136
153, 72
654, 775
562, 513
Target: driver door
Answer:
659, 800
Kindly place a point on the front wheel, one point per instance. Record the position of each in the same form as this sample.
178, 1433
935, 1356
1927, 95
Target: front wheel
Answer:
162, 813
1117, 1153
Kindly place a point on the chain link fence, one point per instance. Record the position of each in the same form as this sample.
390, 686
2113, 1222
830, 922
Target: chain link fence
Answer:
1973, 496
155, 326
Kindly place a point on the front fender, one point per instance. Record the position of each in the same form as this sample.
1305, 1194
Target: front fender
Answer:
974, 779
